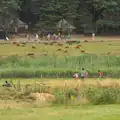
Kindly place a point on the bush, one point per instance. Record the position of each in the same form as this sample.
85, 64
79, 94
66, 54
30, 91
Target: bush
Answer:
103, 95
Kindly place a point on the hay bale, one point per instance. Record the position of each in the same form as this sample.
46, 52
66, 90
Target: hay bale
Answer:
44, 97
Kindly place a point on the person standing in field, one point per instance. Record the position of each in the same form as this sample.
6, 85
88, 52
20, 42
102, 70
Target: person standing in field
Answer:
83, 74
93, 36
99, 74
59, 36
48, 36
69, 36
54, 37
76, 76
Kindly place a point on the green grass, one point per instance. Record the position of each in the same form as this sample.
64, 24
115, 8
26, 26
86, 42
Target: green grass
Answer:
51, 63
59, 67
107, 112
97, 48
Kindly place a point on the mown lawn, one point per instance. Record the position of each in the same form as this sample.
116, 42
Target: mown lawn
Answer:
106, 112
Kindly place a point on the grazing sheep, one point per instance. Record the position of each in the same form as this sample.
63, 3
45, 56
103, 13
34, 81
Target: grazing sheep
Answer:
108, 53
60, 44
86, 41
18, 44
14, 43
52, 43
65, 51
83, 51
23, 43
67, 47
59, 50
31, 54
45, 43
33, 46
78, 46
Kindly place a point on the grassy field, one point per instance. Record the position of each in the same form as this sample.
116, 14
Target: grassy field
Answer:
90, 47
107, 112
59, 61
57, 82
14, 104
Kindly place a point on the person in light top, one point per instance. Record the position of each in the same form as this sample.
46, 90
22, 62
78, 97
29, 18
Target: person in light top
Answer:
48, 36
54, 37
76, 76
83, 74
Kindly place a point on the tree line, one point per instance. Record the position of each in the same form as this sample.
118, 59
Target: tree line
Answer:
45, 14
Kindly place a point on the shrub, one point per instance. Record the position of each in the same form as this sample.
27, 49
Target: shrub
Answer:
103, 95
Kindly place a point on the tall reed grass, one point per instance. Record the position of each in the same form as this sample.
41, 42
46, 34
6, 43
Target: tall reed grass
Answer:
59, 66
97, 94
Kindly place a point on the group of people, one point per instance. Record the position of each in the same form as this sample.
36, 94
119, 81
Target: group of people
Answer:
57, 37
84, 74
54, 36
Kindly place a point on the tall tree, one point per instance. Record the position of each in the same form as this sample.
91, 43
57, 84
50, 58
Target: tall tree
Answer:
8, 12
97, 8
28, 12
50, 12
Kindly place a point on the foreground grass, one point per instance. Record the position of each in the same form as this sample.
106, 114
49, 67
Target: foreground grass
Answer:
107, 112
57, 82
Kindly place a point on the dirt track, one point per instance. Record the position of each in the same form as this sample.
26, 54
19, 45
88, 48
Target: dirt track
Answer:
73, 38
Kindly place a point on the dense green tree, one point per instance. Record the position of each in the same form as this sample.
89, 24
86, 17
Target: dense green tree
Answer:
8, 12
28, 13
50, 12
47, 13
97, 8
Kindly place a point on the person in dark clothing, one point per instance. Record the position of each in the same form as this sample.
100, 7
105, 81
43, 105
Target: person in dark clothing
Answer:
7, 84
